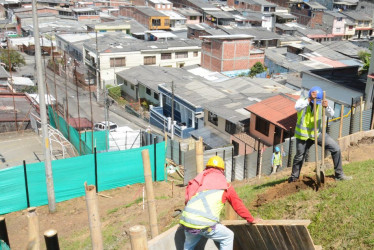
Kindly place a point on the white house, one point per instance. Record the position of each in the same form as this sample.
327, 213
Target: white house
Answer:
120, 51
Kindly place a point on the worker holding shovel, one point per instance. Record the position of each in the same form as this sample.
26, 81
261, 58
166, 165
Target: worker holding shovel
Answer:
305, 133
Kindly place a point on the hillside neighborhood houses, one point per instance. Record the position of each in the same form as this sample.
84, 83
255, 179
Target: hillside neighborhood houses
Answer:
229, 72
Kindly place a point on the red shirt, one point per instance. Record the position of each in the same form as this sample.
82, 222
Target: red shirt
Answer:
213, 178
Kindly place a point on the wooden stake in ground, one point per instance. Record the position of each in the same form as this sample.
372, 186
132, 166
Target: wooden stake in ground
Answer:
51, 240
138, 238
150, 195
34, 240
341, 121
199, 156
230, 213
93, 217
322, 168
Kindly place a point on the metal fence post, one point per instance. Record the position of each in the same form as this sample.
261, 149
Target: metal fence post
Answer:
155, 157
26, 185
95, 159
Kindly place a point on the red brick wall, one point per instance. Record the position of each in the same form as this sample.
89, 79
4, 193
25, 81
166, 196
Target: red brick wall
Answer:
88, 18
254, 7
229, 55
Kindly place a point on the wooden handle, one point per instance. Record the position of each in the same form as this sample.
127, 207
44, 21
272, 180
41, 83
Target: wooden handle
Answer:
323, 129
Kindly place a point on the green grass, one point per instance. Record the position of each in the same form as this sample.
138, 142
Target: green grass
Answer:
342, 215
114, 210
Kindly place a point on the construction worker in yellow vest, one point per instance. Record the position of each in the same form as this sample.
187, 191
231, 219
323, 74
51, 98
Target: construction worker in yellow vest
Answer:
304, 133
276, 160
205, 197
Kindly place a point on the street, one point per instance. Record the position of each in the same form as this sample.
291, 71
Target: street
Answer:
66, 86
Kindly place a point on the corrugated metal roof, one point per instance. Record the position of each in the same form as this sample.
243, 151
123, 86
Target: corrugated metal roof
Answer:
279, 110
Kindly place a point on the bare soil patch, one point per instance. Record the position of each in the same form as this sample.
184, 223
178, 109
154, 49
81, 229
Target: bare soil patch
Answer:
125, 207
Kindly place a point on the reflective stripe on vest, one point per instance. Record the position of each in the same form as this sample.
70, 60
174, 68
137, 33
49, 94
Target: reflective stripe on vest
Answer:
203, 210
305, 123
277, 159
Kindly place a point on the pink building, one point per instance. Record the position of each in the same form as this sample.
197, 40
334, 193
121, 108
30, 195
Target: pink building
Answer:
193, 16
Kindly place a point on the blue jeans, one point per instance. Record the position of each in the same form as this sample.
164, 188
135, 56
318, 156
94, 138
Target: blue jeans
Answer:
303, 146
222, 235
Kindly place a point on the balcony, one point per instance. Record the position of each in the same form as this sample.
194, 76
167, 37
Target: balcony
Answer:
158, 119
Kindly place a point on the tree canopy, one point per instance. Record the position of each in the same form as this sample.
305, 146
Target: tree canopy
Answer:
16, 59
256, 69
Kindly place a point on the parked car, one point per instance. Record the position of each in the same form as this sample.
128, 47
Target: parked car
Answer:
100, 126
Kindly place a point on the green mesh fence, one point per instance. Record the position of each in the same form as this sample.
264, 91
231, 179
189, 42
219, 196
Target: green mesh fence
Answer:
84, 146
115, 169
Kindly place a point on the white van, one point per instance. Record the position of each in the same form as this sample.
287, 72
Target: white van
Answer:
100, 126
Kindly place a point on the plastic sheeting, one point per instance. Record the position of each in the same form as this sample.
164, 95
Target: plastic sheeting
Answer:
115, 169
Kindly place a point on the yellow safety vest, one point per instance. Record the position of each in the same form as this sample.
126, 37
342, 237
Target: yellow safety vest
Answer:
203, 209
277, 159
305, 123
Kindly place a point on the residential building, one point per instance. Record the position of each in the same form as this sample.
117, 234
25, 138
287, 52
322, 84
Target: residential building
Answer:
117, 52
233, 54
272, 121
192, 16
256, 5
160, 4
307, 13
345, 5
84, 14
333, 23
262, 38
115, 26
215, 18
147, 16
362, 23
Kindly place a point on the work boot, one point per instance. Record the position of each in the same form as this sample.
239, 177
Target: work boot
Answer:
343, 178
292, 179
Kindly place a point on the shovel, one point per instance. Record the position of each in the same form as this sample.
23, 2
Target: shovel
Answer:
320, 177
322, 168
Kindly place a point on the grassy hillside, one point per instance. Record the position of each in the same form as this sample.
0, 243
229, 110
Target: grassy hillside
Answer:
341, 214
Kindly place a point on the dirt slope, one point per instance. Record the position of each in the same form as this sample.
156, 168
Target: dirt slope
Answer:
124, 208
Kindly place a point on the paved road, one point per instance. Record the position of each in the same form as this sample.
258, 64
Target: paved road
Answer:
83, 96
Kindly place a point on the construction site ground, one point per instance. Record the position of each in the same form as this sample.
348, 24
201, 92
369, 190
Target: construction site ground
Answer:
122, 208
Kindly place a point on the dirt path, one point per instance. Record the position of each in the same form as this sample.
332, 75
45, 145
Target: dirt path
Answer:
125, 207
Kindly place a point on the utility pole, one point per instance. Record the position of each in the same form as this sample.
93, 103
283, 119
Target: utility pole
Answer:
43, 113
172, 110
79, 116
106, 104
97, 72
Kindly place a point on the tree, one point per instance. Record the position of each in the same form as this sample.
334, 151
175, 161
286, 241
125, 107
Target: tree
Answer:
365, 57
16, 59
256, 69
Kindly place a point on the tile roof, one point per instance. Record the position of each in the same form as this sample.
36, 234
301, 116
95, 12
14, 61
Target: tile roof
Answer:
279, 110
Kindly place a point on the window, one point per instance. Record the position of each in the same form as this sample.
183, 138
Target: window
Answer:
195, 54
156, 22
125, 83
337, 29
350, 27
339, 19
193, 17
165, 56
155, 95
132, 86
167, 22
181, 54
148, 91
230, 127
118, 62
149, 60
213, 118
177, 106
262, 126
266, 9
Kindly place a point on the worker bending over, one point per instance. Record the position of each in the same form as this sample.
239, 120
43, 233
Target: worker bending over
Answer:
205, 197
